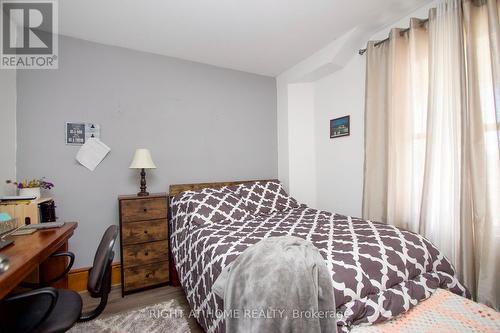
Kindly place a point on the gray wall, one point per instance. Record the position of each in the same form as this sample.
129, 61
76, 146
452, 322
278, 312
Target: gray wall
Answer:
7, 130
201, 123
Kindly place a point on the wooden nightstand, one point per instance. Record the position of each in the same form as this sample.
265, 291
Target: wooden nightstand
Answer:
144, 242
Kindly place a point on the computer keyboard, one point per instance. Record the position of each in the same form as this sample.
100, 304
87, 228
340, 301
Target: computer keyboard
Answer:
46, 225
5, 243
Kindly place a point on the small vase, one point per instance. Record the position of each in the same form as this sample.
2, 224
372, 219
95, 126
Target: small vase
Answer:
30, 192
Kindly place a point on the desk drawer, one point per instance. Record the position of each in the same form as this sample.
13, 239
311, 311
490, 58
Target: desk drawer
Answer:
145, 276
143, 209
144, 231
140, 254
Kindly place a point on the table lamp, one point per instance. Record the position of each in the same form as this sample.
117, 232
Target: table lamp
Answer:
142, 160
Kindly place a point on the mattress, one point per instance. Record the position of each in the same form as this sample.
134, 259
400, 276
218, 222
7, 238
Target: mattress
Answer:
378, 271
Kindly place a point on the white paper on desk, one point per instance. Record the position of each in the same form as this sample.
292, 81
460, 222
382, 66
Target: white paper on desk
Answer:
92, 153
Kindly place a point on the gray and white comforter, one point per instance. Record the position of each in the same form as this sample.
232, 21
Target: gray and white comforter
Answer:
378, 271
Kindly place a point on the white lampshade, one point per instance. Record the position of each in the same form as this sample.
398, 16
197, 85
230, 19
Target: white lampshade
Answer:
142, 160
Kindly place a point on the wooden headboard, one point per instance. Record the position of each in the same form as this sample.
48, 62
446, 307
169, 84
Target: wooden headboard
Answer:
178, 188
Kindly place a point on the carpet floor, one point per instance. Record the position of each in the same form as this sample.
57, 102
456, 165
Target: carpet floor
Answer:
168, 316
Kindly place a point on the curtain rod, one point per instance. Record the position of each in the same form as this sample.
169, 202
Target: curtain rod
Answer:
422, 22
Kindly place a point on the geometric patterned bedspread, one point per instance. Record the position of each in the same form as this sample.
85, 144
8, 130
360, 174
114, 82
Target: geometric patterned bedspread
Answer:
442, 312
378, 271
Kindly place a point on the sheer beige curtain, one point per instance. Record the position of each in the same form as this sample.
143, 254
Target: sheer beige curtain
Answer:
432, 161
440, 210
481, 195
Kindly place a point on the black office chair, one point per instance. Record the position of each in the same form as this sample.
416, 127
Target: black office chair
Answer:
50, 310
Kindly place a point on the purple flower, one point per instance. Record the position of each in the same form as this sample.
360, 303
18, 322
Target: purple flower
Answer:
32, 183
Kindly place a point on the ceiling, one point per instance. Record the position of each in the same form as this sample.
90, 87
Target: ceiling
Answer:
258, 36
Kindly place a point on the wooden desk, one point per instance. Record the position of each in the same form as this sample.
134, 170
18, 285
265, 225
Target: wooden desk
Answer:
32, 251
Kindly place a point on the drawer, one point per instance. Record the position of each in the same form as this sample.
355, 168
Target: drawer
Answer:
143, 209
146, 253
145, 276
144, 231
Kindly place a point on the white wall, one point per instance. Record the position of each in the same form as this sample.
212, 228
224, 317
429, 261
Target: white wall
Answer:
282, 131
322, 63
302, 152
340, 161
7, 130
337, 77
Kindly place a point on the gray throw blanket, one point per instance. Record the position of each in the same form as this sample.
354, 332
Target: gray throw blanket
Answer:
280, 284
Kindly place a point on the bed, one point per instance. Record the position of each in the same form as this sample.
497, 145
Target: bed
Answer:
378, 271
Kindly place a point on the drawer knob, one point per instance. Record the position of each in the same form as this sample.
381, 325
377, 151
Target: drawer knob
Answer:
146, 253
145, 231
145, 210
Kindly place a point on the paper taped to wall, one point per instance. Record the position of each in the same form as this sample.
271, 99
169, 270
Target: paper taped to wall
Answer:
92, 153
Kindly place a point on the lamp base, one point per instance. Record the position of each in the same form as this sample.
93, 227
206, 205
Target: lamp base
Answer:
143, 192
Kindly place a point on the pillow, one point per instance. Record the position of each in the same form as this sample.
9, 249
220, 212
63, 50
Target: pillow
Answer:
212, 206
179, 203
266, 197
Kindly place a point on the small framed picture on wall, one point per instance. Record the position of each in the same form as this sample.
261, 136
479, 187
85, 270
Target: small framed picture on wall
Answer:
340, 127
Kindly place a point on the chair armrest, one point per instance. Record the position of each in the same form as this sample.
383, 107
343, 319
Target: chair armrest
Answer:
68, 254
19, 303
52, 292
